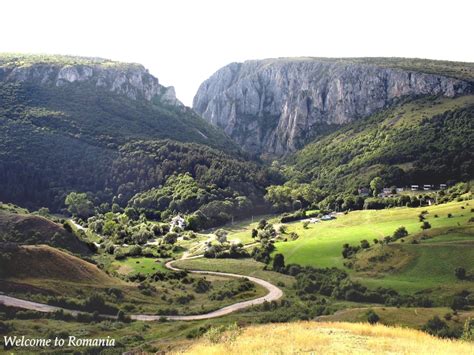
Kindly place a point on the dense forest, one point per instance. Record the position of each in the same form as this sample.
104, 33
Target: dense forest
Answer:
57, 140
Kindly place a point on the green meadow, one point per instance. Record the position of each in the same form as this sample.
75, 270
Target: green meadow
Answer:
320, 245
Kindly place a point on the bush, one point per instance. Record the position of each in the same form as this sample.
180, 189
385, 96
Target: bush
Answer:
460, 273
401, 232
278, 262
425, 225
438, 327
372, 317
459, 303
202, 286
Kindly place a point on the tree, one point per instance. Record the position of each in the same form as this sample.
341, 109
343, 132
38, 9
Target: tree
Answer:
425, 225
278, 262
297, 205
364, 244
305, 224
372, 317
79, 205
376, 185
401, 232
254, 233
171, 237
262, 223
460, 273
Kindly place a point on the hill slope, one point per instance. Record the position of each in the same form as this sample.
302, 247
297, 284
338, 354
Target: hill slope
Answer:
63, 120
426, 141
275, 106
41, 262
22, 228
328, 338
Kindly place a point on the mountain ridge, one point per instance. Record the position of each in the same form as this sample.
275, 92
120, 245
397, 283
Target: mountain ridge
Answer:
275, 106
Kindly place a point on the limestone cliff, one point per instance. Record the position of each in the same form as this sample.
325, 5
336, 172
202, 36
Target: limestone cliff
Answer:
274, 106
132, 80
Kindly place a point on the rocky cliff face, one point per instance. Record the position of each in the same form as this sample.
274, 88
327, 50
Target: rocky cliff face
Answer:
132, 80
273, 106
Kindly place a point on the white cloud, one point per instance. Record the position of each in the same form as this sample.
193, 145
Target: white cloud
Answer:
183, 42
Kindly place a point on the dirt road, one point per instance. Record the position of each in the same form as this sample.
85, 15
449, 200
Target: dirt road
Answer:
274, 293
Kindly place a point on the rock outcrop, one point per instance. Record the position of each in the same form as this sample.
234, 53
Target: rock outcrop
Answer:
274, 106
131, 80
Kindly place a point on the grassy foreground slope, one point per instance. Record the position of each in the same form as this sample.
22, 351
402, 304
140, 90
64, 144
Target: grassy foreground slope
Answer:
327, 338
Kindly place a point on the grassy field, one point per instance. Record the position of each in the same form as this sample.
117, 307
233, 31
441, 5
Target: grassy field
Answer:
248, 267
321, 244
242, 231
325, 338
431, 266
142, 265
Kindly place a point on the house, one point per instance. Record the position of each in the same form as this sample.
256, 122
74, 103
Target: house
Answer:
427, 187
387, 191
415, 187
443, 186
177, 221
326, 218
399, 189
363, 191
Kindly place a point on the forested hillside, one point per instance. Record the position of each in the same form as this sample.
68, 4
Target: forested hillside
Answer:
426, 141
64, 121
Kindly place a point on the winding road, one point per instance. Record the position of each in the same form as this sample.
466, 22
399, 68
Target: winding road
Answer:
274, 293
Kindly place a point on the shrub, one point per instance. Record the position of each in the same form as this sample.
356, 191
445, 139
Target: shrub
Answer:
425, 225
401, 232
436, 326
459, 303
202, 286
372, 317
460, 273
364, 244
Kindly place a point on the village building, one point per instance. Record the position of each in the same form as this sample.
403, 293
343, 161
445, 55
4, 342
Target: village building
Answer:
177, 221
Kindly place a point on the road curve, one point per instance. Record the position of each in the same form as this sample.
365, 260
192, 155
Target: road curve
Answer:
274, 293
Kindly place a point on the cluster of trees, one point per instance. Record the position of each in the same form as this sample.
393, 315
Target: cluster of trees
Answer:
206, 206
289, 197
144, 165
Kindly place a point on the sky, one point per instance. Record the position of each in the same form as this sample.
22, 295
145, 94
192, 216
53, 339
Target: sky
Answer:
183, 42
